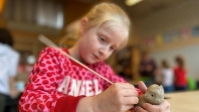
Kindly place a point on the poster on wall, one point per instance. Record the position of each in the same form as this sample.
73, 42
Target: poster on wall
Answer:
143, 43
185, 33
148, 42
175, 36
151, 42
159, 39
167, 38
195, 31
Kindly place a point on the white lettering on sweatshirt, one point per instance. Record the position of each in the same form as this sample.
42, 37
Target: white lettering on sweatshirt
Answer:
79, 87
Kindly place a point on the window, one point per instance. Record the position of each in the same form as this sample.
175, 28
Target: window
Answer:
40, 12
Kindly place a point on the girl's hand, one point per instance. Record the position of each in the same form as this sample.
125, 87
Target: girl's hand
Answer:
119, 97
163, 107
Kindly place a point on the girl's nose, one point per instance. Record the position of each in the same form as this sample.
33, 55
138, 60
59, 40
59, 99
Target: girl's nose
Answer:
104, 51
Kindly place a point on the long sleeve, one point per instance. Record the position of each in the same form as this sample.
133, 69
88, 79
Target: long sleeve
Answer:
107, 71
41, 93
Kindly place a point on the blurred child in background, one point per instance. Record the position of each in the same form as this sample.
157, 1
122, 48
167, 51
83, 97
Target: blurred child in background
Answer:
180, 72
166, 76
9, 59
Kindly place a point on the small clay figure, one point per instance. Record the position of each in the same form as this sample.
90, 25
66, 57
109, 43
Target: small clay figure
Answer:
154, 95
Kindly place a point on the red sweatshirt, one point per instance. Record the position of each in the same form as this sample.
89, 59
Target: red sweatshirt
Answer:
56, 83
180, 76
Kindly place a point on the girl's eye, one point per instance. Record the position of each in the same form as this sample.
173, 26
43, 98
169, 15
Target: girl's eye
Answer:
112, 48
102, 39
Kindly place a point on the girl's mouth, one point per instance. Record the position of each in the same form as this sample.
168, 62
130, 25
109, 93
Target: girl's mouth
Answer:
96, 57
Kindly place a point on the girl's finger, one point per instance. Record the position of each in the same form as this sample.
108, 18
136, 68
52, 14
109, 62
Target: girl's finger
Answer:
130, 100
125, 85
129, 92
164, 107
140, 109
128, 107
142, 86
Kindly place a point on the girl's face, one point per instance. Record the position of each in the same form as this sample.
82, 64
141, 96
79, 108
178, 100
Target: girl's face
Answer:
98, 43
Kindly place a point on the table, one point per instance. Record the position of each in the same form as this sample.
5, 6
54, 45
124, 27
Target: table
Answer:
184, 101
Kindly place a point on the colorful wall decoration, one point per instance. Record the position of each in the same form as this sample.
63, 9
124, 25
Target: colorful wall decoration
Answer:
171, 37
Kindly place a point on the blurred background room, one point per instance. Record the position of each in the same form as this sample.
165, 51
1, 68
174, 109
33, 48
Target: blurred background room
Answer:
162, 30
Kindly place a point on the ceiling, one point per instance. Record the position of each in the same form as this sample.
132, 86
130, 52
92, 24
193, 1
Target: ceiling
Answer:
146, 7
141, 9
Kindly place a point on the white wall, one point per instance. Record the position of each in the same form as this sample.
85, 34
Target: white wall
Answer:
190, 53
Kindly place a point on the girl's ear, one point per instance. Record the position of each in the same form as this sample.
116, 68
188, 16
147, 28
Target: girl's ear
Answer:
83, 25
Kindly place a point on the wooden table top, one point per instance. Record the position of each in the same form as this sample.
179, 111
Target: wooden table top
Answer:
184, 101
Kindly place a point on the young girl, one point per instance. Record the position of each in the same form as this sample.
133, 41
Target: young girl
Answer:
167, 76
58, 84
180, 74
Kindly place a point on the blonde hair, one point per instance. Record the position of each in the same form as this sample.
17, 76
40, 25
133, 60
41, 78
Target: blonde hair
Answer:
98, 15
71, 32
107, 12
